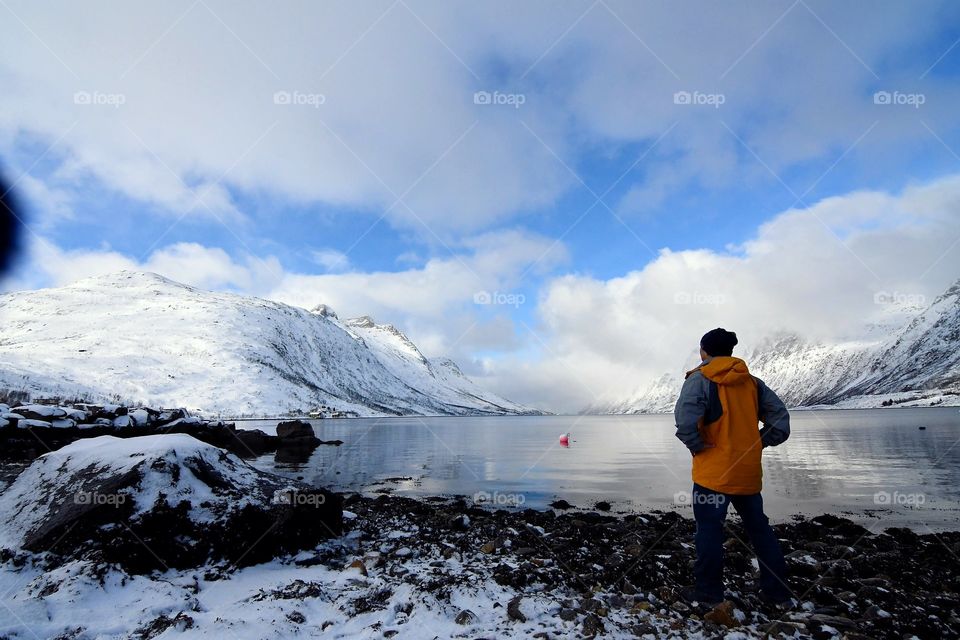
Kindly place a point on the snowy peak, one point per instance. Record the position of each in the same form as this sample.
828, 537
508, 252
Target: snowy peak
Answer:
399, 355
363, 322
385, 337
925, 355
140, 338
906, 357
128, 279
323, 311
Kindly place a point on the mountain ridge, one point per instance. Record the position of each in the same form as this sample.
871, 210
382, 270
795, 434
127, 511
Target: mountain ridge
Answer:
915, 364
140, 336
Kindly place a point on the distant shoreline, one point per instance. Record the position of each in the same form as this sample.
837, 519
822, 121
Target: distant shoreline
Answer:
565, 415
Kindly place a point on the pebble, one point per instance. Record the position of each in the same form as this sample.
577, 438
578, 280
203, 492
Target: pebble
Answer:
592, 625
466, 617
722, 615
513, 610
568, 615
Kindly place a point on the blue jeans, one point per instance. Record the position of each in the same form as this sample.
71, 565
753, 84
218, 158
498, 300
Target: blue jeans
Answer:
710, 510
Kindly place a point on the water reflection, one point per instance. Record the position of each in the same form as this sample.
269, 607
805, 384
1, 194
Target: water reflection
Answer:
835, 461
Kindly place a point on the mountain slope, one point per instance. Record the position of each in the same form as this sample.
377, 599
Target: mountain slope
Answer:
915, 363
141, 337
403, 359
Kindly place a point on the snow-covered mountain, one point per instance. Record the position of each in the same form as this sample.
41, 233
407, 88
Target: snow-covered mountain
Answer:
908, 359
138, 337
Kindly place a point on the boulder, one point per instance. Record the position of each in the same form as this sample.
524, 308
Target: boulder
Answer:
140, 417
295, 431
40, 412
253, 442
162, 501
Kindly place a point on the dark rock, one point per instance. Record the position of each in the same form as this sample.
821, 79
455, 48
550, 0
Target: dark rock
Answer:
837, 622
588, 605
644, 629
778, 627
722, 615
90, 504
568, 615
561, 504
254, 441
296, 617
592, 625
602, 506
46, 416
466, 617
159, 625
295, 430
513, 610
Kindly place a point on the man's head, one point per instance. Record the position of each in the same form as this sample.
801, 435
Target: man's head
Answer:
717, 342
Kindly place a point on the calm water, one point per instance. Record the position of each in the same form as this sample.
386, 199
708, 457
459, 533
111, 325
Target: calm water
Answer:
875, 466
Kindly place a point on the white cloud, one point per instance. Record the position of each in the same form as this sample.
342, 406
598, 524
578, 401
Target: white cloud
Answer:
331, 260
813, 271
186, 262
388, 107
491, 262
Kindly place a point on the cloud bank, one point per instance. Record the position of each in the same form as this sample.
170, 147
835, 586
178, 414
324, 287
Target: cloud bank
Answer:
823, 271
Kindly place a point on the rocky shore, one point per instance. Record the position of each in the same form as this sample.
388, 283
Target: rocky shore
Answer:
171, 537
29, 431
624, 574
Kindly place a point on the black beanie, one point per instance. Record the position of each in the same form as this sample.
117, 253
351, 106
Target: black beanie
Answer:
718, 342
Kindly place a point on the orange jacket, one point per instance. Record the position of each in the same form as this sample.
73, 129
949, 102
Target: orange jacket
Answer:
730, 461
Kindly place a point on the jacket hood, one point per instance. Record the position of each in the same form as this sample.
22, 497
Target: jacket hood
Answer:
725, 370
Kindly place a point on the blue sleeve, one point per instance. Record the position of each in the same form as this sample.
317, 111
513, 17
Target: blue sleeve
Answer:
690, 409
774, 416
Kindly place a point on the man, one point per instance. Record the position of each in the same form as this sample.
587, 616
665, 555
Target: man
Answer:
717, 418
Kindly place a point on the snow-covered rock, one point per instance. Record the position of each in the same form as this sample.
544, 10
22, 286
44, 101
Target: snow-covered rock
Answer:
40, 412
160, 501
155, 342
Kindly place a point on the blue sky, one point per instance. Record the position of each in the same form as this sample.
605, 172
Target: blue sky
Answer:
391, 189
